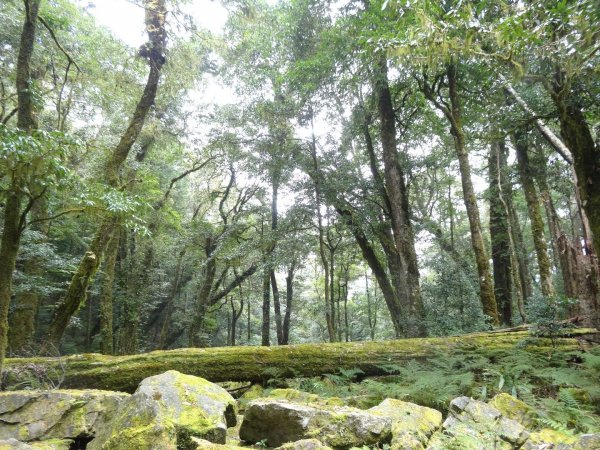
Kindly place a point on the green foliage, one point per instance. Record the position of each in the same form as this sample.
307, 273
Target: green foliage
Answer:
546, 315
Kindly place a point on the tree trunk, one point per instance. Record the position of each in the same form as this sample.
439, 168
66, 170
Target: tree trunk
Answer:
577, 136
289, 297
106, 295
14, 215
410, 294
274, 287
454, 115
76, 293
248, 363
203, 298
535, 216
266, 308
499, 232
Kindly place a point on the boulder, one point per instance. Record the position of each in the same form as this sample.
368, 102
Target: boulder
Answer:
412, 425
475, 425
513, 408
50, 444
305, 444
293, 395
588, 442
549, 439
166, 411
59, 414
277, 422
203, 444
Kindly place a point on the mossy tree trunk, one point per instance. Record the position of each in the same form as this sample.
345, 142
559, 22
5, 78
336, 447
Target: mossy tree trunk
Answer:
106, 296
257, 364
526, 176
500, 232
16, 206
154, 51
452, 110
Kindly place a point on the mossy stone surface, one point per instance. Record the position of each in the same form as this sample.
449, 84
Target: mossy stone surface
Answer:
280, 421
412, 425
58, 414
203, 444
166, 412
549, 439
305, 444
513, 408
297, 396
50, 444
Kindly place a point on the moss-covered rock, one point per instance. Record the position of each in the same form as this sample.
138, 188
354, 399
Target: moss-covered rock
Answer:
166, 411
296, 396
412, 425
588, 442
60, 414
203, 444
515, 409
305, 444
475, 425
280, 421
255, 391
549, 439
50, 444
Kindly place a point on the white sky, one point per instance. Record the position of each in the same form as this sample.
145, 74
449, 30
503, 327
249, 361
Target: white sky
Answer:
126, 19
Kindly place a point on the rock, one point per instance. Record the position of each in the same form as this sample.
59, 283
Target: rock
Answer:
588, 442
203, 444
305, 444
60, 414
547, 439
166, 411
412, 425
50, 444
255, 391
296, 396
475, 425
280, 421
513, 408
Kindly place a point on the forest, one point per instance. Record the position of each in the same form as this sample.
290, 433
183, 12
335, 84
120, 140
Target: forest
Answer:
325, 191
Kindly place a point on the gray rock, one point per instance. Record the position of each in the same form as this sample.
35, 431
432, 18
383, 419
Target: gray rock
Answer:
305, 444
588, 442
166, 411
412, 425
60, 414
475, 425
279, 422
52, 444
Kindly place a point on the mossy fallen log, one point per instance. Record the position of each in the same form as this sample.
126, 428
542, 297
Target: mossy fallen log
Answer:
258, 364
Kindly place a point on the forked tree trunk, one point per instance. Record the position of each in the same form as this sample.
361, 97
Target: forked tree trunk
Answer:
410, 290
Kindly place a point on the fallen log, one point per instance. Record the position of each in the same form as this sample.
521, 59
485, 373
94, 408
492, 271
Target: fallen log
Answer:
258, 364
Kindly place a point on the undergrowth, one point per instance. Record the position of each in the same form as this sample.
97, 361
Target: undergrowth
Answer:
562, 387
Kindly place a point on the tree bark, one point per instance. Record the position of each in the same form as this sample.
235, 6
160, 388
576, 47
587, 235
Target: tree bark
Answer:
289, 298
106, 296
14, 211
266, 308
526, 176
499, 232
410, 293
248, 363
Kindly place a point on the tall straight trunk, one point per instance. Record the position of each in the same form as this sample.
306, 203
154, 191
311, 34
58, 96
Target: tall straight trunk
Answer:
453, 113
289, 297
14, 211
106, 296
317, 182
76, 293
410, 294
266, 308
499, 232
274, 287
371, 309
577, 136
526, 177
175, 284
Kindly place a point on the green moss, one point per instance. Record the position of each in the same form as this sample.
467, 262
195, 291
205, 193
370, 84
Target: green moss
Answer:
549, 436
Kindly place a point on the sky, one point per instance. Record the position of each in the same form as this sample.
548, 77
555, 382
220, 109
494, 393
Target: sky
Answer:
125, 18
